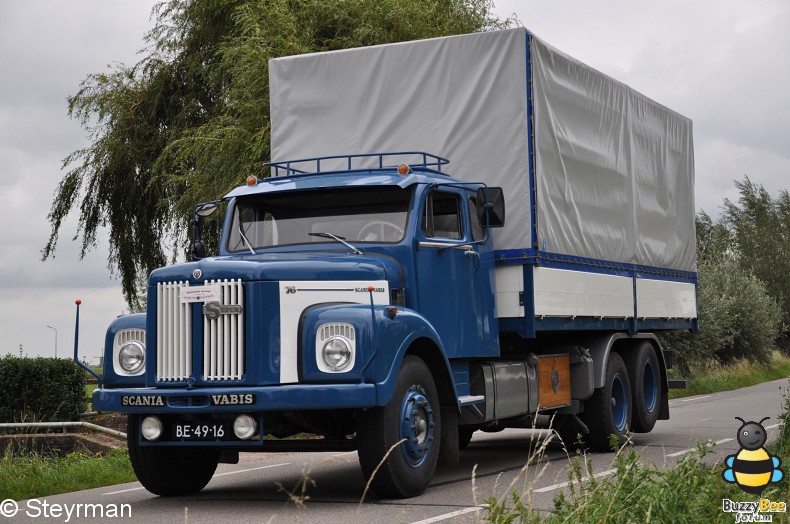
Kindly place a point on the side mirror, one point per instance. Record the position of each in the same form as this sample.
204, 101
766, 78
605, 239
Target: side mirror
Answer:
490, 207
206, 209
197, 248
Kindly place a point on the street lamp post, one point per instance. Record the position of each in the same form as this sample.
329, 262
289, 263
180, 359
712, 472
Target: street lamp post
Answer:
56, 340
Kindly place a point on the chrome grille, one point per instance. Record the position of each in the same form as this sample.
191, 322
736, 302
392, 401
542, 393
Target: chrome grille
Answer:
173, 333
223, 337
127, 335
334, 329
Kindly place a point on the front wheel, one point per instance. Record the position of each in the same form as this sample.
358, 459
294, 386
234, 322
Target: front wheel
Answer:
413, 417
608, 411
170, 471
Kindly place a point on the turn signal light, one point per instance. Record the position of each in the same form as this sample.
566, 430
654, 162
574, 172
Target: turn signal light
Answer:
403, 169
252, 181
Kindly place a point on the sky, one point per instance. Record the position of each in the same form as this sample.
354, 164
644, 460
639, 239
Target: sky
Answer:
722, 63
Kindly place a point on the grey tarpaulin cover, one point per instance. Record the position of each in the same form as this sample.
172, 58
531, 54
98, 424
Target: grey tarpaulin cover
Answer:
614, 170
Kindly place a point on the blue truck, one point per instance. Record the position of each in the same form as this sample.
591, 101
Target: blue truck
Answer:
394, 303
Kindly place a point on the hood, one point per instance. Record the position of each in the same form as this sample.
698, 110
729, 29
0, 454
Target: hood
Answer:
284, 266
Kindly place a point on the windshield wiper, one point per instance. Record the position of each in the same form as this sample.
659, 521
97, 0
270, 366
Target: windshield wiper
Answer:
337, 239
245, 239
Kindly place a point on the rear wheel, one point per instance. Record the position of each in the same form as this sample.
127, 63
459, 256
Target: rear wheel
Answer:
644, 373
412, 415
170, 471
608, 411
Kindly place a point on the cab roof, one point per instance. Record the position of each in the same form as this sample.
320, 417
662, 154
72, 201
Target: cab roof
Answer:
374, 169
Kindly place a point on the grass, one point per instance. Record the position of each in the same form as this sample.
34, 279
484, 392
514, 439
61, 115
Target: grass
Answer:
691, 491
27, 475
741, 374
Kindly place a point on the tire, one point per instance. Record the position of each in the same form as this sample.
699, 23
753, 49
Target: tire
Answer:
413, 413
464, 437
644, 372
170, 471
608, 411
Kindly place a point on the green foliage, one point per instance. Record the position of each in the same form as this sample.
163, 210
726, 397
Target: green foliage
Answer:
713, 377
25, 476
743, 292
738, 318
760, 229
689, 491
714, 242
191, 119
40, 389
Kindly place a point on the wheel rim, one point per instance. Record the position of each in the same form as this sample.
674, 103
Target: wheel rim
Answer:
416, 426
619, 403
650, 387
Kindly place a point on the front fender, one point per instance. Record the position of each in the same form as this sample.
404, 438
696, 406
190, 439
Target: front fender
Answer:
111, 378
383, 337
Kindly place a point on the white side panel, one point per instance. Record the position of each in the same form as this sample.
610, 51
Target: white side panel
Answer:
295, 296
564, 293
509, 285
662, 299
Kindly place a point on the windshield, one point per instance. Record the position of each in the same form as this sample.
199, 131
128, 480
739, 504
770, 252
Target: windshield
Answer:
357, 215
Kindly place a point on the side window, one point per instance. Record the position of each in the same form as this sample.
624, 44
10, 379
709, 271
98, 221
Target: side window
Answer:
478, 233
442, 218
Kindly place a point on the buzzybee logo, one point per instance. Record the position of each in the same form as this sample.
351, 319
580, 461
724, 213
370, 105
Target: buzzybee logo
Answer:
752, 468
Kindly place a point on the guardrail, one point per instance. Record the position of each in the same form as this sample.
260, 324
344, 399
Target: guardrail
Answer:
62, 425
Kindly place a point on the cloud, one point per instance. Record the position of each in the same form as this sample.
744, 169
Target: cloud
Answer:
722, 63
48, 48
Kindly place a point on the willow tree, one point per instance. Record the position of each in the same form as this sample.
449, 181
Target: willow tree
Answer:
191, 119
760, 229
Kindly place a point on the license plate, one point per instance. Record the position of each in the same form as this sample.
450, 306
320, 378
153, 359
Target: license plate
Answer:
202, 432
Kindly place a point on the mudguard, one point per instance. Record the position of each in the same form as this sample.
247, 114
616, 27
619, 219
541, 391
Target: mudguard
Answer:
111, 379
384, 334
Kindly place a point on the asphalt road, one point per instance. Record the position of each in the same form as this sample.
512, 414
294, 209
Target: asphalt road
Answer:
328, 487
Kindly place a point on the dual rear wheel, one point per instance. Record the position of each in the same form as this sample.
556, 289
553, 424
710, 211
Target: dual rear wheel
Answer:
629, 399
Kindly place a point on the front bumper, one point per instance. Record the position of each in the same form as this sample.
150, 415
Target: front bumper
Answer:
235, 399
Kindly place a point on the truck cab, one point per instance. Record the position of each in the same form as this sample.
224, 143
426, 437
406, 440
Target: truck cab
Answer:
330, 291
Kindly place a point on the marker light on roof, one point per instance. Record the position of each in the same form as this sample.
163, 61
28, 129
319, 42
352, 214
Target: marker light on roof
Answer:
403, 169
252, 181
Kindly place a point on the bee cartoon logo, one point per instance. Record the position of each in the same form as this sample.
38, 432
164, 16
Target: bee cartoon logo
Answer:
752, 468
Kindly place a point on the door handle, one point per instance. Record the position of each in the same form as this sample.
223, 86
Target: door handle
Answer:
476, 257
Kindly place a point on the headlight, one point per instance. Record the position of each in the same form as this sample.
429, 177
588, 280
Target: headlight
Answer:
151, 428
128, 353
131, 357
244, 426
336, 353
335, 347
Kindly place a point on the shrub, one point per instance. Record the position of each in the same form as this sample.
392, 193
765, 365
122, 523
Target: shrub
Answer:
738, 318
40, 389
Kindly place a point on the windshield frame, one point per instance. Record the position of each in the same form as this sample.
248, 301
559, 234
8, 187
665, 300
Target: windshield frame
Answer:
232, 244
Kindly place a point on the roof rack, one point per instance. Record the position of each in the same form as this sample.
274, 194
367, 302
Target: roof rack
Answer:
429, 163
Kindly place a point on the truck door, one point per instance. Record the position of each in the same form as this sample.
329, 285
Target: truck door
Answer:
454, 286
